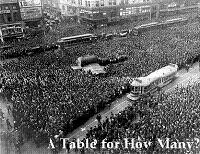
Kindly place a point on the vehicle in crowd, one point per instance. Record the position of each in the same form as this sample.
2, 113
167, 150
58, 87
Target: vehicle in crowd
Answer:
134, 32
75, 40
146, 26
174, 21
169, 22
144, 86
5, 47
90, 38
109, 36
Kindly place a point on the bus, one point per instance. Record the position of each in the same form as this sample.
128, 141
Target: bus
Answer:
143, 86
75, 40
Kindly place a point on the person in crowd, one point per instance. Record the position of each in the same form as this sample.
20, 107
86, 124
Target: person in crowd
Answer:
98, 117
45, 84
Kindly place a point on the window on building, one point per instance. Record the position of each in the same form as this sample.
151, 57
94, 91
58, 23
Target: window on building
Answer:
102, 2
1, 18
80, 2
72, 1
97, 3
6, 8
16, 16
112, 2
7, 17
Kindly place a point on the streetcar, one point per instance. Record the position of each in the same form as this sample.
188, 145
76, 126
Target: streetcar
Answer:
174, 21
146, 26
75, 40
143, 86
134, 31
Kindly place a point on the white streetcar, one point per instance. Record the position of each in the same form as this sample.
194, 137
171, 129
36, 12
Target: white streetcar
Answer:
149, 84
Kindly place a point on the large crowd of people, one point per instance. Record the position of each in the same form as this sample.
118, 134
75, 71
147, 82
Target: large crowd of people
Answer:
45, 84
175, 117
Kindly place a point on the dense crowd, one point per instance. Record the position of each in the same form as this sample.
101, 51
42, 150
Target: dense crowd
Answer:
46, 85
175, 117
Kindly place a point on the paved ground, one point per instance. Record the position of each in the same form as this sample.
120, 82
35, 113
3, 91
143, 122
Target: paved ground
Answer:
183, 78
6, 145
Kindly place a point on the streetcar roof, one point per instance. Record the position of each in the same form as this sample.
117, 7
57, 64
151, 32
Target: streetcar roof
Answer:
176, 19
146, 25
77, 36
163, 72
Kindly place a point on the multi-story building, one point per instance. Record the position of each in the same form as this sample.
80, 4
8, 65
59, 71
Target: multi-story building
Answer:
75, 7
31, 12
11, 24
51, 8
104, 11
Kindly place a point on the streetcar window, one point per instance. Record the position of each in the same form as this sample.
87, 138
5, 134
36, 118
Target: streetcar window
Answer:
137, 89
152, 85
142, 89
146, 88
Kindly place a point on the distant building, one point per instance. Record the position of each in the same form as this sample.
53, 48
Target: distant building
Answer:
9, 12
11, 24
51, 8
31, 12
71, 7
105, 11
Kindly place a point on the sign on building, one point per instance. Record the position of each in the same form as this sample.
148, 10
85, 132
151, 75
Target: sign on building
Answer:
30, 3
8, 1
31, 13
30, 9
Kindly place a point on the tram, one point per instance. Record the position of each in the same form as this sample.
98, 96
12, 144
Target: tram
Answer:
75, 40
149, 84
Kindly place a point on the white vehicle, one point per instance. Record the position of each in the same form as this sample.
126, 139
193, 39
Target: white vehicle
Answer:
149, 84
152, 24
177, 20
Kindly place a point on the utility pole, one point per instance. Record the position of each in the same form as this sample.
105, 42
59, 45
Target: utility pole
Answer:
150, 12
43, 21
198, 9
158, 11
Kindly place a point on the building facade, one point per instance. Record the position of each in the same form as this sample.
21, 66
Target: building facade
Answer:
71, 7
103, 11
51, 8
9, 12
11, 24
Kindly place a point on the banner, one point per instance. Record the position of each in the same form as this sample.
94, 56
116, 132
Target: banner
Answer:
4, 11
30, 9
8, 1
31, 13
29, 3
